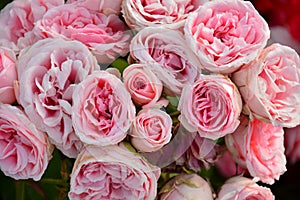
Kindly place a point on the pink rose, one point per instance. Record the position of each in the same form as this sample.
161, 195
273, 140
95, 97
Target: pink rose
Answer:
103, 6
241, 188
112, 172
226, 34
48, 72
211, 106
270, 86
102, 110
292, 144
143, 85
151, 130
261, 149
166, 53
25, 151
8, 74
139, 14
186, 187
17, 20
106, 36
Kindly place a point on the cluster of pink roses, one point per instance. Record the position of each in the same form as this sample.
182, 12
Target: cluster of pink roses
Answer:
210, 57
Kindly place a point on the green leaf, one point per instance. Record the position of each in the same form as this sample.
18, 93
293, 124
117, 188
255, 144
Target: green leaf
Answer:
120, 64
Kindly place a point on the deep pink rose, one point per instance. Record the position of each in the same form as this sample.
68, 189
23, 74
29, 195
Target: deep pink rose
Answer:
151, 130
106, 36
241, 188
143, 85
292, 144
103, 6
48, 72
139, 14
270, 86
17, 20
24, 150
112, 172
186, 187
259, 147
166, 53
8, 74
211, 106
225, 34
102, 111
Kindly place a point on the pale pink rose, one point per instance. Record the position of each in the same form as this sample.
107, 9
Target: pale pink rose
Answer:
102, 111
143, 85
106, 36
8, 75
139, 14
211, 106
48, 72
227, 167
292, 144
25, 151
151, 130
166, 53
186, 187
260, 147
17, 20
270, 86
112, 172
225, 34
103, 6
241, 188
201, 154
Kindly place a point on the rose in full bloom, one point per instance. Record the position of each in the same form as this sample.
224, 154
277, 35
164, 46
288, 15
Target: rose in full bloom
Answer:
17, 21
166, 53
102, 111
186, 187
139, 14
48, 72
241, 188
112, 172
143, 85
270, 86
8, 74
151, 130
259, 147
103, 6
292, 144
201, 154
225, 34
106, 36
24, 150
211, 106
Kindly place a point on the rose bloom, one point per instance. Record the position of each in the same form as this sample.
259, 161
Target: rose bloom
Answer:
201, 154
260, 149
292, 144
211, 106
48, 72
103, 6
270, 86
112, 172
102, 110
25, 151
139, 14
186, 187
240, 188
166, 53
143, 85
17, 20
151, 130
106, 36
8, 74
225, 34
